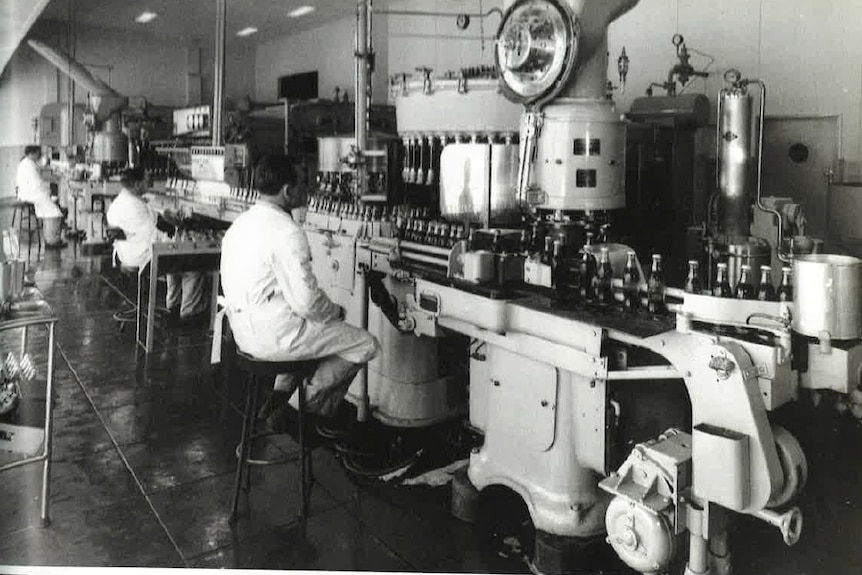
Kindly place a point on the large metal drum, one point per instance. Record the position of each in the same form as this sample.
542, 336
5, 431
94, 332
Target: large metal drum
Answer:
827, 293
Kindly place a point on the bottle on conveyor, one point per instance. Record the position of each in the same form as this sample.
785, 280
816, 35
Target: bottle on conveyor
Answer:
631, 282
785, 290
693, 283
722, 284
744, 287
766, 291
655, 287
604, 278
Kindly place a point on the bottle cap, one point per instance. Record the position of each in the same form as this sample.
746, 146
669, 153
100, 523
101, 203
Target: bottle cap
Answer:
656, 257
766, 267
786, 269
693, 262
722, 265
746, 266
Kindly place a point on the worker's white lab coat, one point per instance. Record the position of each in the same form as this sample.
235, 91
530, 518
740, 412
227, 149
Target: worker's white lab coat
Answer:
32, 188
275, 307
138, 221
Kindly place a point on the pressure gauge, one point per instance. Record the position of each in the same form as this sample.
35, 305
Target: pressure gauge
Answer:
536, 49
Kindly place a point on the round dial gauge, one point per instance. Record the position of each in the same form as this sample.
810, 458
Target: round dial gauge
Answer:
536, 48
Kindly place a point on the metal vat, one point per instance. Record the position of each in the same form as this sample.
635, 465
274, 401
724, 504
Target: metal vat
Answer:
826, 290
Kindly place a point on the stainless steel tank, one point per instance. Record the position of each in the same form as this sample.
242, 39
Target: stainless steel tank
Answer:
734, 161
755, 252
826, 290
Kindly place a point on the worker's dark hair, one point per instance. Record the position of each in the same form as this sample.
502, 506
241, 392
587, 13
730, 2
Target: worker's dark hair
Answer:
32, 150
272, 172
129, 175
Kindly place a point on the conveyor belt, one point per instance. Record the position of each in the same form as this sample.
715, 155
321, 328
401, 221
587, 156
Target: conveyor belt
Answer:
637, 323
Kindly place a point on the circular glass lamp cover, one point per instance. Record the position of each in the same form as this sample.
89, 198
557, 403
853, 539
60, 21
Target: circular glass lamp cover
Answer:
536, 49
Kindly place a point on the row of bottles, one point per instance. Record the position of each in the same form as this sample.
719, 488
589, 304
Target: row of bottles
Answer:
341, 183
589, 279
744, 288
422, 152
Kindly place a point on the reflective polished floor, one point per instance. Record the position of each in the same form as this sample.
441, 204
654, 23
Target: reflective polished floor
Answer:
144, 458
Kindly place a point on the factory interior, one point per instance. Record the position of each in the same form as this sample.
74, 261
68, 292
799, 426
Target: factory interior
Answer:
443, 286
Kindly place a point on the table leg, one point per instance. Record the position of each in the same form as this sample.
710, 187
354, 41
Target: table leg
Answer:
49, 430
23, 340
151, 305
214, 302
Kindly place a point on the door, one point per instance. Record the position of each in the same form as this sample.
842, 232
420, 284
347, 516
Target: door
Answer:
798, 153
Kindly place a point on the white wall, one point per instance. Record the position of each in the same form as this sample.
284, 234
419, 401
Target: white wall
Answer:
808, 53
327, 49
142, 65
436, 42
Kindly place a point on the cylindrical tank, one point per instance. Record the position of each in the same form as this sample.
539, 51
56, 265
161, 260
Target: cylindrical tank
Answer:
580, 156
734, 157
826, 299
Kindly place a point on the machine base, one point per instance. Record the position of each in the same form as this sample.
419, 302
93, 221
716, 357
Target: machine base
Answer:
557, 554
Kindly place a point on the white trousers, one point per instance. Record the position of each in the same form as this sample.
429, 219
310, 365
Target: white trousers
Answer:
186, 292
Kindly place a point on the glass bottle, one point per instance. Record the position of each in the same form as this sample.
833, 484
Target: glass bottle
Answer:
785, 290
548, 252
692, 281
655, 287
604, 278
497, 242
631, 281
559, 277
722, 284
766, 291
587, 271
744, 287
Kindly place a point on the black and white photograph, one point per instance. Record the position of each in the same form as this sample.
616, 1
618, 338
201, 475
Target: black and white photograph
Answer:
534, 287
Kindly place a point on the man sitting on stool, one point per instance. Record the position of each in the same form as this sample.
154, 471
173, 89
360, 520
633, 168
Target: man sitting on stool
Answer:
276, 309
142, 226
33, 189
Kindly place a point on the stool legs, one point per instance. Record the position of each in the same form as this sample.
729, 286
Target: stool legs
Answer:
243, 446
303, 480
252, 429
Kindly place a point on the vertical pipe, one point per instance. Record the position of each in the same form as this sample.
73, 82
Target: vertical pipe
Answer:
218, 72
363, 408
360, 121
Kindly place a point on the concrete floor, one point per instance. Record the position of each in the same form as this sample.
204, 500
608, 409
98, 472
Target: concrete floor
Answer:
143, 471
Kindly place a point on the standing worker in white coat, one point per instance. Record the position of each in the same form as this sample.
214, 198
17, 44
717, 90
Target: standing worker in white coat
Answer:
33, 189
141, 225
276, 309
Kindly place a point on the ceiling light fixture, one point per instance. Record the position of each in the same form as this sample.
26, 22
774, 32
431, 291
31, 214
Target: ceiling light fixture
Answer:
146, 17
248, 31
301, 11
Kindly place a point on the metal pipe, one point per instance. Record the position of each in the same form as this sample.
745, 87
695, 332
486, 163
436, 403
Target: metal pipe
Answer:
218, 72
424, 248
789, 522
648, 372
441, 14
363, 408
424, 259
360, 120
760, 205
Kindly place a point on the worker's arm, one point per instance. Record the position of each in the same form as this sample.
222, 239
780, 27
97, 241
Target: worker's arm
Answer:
291, 260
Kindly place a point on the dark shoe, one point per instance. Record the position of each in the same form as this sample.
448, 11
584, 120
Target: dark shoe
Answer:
339, 425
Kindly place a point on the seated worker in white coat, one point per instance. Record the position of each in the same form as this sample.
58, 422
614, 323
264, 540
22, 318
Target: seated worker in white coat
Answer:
276, 309
32, 188
141, 226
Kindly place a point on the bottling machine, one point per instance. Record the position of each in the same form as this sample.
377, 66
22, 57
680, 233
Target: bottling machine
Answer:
560, 378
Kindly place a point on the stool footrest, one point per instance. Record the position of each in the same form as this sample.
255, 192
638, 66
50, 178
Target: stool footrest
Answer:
251, 461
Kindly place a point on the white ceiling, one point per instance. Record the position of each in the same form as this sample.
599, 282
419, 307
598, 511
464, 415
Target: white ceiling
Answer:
16, 17
195, 19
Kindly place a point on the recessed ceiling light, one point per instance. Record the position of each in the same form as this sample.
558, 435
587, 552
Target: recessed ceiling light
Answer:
146, 17
301, 11
248, 31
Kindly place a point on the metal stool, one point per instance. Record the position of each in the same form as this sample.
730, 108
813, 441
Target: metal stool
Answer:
257, 370
28, 209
